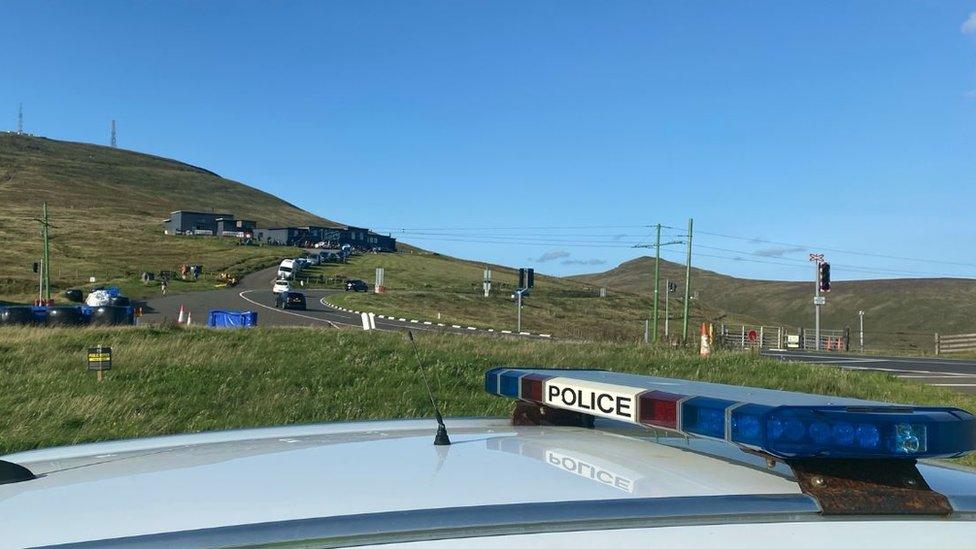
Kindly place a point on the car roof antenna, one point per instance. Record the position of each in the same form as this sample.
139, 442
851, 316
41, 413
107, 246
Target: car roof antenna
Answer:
441, 438
12, 472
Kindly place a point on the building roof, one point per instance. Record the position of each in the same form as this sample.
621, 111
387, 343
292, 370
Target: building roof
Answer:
229, 215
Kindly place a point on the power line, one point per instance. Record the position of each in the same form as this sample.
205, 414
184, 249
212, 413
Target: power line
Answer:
568, 227
840, 251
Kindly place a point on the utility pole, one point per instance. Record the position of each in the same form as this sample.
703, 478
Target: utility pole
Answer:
684, 328
20, 119
657, 273
657, 276
44, 272
667, 315
115, 143
518, 303
860, 315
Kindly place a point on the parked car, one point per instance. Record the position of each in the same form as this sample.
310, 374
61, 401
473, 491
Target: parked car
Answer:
281, 286
314, 259
303, 262
355, 285
293, 300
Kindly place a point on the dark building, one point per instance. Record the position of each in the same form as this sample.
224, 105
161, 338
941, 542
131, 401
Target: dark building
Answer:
334, 237
200, 223
183, 222
240, 228
283, 236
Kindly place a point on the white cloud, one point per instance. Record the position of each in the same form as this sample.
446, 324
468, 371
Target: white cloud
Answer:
969, 27
550, 256
778, 251
585, 262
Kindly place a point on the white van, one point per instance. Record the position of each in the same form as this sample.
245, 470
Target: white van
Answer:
287, 269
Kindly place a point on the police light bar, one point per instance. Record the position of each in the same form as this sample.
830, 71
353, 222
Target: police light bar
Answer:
781, 423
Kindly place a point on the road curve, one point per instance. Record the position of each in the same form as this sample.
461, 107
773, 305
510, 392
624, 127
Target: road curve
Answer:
253, 293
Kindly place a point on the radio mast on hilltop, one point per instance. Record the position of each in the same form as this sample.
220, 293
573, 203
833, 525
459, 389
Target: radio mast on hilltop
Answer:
115, 144
20, 119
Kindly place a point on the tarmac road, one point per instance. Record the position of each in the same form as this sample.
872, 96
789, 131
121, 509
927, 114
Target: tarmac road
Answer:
955, 374
254, 294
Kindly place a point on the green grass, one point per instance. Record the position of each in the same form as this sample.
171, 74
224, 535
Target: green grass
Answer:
423, 286
171, 380
107, 207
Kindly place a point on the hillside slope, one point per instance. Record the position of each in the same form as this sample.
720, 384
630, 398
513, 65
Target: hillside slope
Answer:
920, 306
106, 207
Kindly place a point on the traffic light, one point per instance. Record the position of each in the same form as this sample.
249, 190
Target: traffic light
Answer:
825, 277
526, 278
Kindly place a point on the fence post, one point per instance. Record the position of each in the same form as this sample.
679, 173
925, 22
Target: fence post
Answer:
779, 337
937, 343
646, 331
847, 339
742, 338
803, 339
762, 336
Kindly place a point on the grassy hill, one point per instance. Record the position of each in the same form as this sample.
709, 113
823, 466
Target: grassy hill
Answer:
430, 286
107, 206
906, 309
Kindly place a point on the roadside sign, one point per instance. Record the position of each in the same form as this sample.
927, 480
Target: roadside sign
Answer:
753, 335
820, 300
99, 360
793, 341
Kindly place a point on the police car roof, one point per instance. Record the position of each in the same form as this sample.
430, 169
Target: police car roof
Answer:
137, 487
371, 469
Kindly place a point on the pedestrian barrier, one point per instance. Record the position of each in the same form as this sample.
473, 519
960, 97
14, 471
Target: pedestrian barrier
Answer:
954, 343
232, 319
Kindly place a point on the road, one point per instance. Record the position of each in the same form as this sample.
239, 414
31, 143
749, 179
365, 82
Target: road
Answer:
254, 293
955, 374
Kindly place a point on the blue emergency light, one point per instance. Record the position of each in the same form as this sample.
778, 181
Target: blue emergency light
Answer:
781, 423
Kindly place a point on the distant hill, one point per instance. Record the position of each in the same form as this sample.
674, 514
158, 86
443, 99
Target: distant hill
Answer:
914, 305
107, 206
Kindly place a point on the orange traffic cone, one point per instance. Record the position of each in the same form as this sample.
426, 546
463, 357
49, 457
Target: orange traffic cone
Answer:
179, 319
706, 347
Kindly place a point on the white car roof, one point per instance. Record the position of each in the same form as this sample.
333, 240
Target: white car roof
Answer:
211, 480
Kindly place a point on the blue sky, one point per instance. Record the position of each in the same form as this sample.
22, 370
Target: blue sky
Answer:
480, 127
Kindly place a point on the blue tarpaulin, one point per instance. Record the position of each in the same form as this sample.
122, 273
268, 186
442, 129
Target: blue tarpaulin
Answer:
232, 319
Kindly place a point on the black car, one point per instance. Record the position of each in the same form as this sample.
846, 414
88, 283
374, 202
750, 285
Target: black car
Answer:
354, 285
292, 300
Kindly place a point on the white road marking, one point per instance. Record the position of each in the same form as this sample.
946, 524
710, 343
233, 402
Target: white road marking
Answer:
249, 300
952, 384
919, 360
935, 376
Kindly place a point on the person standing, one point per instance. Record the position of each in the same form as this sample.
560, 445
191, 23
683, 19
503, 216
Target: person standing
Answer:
162, 286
